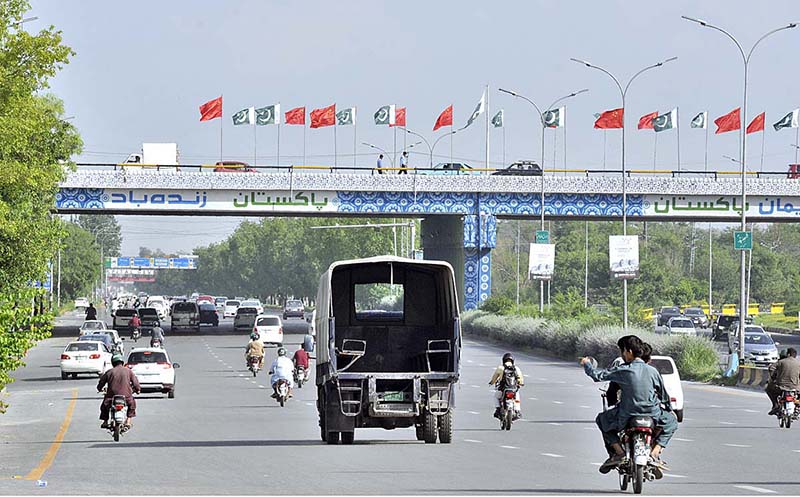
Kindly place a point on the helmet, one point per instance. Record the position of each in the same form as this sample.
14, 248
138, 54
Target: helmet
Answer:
117, 359
254, 335
281, 351
508, 357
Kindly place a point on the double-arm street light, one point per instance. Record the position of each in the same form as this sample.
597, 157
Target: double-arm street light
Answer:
742, 156
623, 93
544, 125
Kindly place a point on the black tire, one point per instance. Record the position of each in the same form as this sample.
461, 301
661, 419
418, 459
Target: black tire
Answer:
419, 432
508, 419
75, 376
788, 423
116, 432
171, 394
64, 376
445, 422
348, 437
623, 482
332, 438
679, 415
638, 479
254, 372
429, 428
282, 401
781, 423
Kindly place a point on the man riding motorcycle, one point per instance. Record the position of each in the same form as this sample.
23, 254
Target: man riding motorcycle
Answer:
255, 348
282, 369
301, 359
643, 394
91, 313
118, 380
157, 334
498, 380
785, 377
135, 323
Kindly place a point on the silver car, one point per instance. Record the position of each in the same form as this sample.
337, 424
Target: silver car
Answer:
759, 348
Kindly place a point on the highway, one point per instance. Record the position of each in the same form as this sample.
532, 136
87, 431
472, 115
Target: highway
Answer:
222, 434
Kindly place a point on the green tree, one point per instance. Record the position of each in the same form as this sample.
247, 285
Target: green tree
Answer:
80, 262
106, 231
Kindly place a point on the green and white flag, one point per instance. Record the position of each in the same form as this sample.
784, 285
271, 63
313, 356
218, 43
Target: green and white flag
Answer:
478, 110
244, 116
497, 120
385, 115
788, 121
666, 121
700, 121
346, 117
555, 118
271, 114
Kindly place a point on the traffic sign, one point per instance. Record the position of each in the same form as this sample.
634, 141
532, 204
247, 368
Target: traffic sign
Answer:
743, 240
542, 236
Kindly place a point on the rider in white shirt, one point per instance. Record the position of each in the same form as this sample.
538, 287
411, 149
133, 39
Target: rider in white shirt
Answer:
282, 369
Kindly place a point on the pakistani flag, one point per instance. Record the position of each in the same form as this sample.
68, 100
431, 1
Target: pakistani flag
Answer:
478, 110
788, 121
555, 118
700, 121
270, 114
497, 120
666, 121
385, 115
244, 116
346, 117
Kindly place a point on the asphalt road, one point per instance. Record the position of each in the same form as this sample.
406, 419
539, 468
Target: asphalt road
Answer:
222, 434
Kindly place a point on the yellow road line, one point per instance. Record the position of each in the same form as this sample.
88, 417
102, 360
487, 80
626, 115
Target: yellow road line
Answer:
37, 472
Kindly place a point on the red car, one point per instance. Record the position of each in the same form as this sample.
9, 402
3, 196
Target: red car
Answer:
206, 298
232, 166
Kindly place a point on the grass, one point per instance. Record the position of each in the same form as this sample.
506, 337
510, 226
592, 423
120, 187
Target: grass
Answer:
777, 321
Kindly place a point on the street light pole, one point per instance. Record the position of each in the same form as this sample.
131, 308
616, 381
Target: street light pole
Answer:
430, 149
742, 156
380, 150
623, 93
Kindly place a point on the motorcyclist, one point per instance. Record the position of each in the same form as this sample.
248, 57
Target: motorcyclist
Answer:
91, 312
118, 380
157, 334
282, 369
770, 388
255, 348
301, 359
643, 394
135, 323
785, 377
506, 366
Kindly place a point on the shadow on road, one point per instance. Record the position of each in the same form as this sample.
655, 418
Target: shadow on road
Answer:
567, 491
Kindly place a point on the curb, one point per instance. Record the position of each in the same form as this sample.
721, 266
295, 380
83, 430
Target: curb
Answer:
782, 331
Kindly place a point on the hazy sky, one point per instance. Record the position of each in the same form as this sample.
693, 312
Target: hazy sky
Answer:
142, 68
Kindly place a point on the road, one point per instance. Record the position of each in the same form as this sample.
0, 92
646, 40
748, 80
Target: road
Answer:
222, 434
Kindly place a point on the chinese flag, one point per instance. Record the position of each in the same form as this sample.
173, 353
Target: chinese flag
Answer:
296, 116
211, 109
729, 122
646, 121
610, 119
445, 118
399, 117
757, 124
323, 117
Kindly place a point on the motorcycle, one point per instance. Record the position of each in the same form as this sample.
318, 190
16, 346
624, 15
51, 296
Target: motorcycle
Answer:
637, 440
156, 343
299, 376
117, 415
136, 334
789, 410
254, 365
281, 391
509, 411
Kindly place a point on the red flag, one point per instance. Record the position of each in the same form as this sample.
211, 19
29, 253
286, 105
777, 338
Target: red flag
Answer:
399, 117
729, 122
610, 119
757, 124
646, 121
445, 118
211, 109
296, 116
323, 117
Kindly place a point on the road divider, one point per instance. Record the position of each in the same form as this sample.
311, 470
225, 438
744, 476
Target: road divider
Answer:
752, 377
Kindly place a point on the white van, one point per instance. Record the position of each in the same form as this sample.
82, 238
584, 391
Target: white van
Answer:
270, 329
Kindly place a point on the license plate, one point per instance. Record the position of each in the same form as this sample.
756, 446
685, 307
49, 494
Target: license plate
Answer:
80, 357
393, 396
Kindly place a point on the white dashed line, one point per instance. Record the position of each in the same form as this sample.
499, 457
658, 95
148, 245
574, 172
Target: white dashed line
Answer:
542, 379
475, 386
738, 445
726, 423
577, 385
472, 441
261, 386
557, 402
548, 454
751, 488
596, 464
795, 450
469, 361
508, 447
682, 439
473, 412
715, 406
556, 424
482, 365
526, 375
589, 428
749, 410
241, 374
585, 407
532, 398
670, 475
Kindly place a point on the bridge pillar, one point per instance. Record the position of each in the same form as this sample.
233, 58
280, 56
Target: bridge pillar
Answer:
466, 243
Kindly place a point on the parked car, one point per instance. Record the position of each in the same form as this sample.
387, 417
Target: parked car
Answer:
452, 168
697, 315
220, 303
91, 325
185, 316
722, 325
85, 357
270, 329
81, 303
230, 308
208, 314
680, 325
122, 319
154, 370
245, 318
672, 381
759, 348
520, 168
255, 303
150, 318
667, 313
294, 309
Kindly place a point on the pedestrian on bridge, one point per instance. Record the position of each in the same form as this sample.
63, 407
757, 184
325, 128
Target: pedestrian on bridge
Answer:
379, 165
403, 163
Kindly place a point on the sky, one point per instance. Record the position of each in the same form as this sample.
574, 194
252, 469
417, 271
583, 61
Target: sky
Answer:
141, 70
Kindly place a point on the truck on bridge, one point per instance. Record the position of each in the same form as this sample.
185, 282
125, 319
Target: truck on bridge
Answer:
389, 342
154, 156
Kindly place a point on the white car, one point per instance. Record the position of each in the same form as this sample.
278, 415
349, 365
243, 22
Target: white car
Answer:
229, 311
154, 370
91, 325
160, 305
245, 318
253, 303
270, 329
680, 326
672, 381
81, 302
85, 357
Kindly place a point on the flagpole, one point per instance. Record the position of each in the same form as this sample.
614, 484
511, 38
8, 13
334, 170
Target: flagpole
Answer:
304, 140
487, 127
555, 135
763, 133
394, 149
655, 149
604, 150
796, 143
255, 142
355, 136
220, 132
678, 128
451, 142
504, 146
705, 160
278, 122
565, 139
335, 152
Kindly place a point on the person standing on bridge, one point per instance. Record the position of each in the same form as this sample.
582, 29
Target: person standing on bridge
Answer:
379, 164
403, 163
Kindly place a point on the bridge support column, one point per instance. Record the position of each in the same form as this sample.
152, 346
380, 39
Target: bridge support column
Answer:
466, 244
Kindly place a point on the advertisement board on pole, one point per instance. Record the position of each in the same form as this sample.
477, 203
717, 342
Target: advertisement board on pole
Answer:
623, 256
541, 261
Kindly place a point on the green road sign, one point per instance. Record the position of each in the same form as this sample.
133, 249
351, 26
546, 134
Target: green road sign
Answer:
542, 236
743, 240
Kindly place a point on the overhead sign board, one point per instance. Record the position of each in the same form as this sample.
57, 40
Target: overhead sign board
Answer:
623, 256
189, 262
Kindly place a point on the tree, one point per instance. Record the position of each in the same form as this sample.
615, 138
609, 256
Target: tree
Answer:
80, 262
106, 231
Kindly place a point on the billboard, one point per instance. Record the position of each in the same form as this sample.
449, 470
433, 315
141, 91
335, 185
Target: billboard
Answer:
541, 261
623, 256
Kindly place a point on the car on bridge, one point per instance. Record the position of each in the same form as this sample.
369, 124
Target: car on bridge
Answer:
84, 357
153, 369
452, 168
520, 168
233, 166
666, 313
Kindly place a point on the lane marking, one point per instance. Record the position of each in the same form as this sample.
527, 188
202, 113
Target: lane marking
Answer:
585, 407
472, 441
482, 365
557, 402
37, 472
508, 447
670, 475
596, 464
548, 454
715, 406
556, 424
577, 385
473, 412
532, 398
475, 386
738, 445
261, 386
750, 410
589, 428
751, 488
796, 451
726, 423
682, 439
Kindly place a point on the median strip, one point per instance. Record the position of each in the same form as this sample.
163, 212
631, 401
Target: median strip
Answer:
37, 472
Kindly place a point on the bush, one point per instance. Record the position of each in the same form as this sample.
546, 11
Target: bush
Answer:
498, 305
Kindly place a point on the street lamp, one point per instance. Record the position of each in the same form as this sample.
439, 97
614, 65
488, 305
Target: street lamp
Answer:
424, 141
23, 21
381, 150
742, 155
541, 121
623, 93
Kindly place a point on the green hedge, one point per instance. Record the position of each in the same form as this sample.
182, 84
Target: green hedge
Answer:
695, 357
